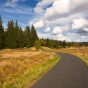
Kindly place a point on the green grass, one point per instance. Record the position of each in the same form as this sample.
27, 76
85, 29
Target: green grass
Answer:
23, 72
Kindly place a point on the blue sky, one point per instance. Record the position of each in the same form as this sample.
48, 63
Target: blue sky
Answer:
55, 19
22, 10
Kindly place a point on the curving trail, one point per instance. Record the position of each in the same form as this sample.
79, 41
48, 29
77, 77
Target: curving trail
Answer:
69, 72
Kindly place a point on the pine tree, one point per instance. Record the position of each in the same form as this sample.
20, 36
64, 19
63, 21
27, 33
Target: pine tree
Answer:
11, 35
2, 45
34, 35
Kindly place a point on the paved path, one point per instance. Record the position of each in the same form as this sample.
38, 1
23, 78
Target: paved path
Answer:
69, 72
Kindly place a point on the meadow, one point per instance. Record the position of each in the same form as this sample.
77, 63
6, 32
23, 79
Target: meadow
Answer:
21, 68
81, 52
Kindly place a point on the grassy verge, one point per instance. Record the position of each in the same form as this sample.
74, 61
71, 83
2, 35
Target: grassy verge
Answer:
80, 52
22, 68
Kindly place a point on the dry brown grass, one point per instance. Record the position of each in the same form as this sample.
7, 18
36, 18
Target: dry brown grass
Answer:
17, 53
22, 67
80, 51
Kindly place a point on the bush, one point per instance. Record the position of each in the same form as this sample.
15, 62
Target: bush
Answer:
38, 44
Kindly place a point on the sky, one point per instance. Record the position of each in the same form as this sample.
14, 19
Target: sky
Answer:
54, 19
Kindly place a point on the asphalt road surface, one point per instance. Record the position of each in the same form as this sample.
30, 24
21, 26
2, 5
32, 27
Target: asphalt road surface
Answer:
69, 72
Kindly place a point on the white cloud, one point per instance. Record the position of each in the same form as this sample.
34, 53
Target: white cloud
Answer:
41, 5
78, 6
47, 30
60, 37
43, 35
59, 10
39, 24
57, 30
58, 7
79, 23
60, 30
62, 16
71, 37
85, 29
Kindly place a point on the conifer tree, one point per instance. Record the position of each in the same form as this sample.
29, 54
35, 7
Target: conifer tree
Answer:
34, 35
27, 37
2, 45
21, 38
17, 34
11, 35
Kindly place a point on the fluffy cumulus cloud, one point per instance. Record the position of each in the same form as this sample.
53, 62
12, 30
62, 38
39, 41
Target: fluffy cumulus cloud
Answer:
39, 24
60, 37
63, 19
44, 35
47, 30
59, 7
59, 30
79, 23
42, 5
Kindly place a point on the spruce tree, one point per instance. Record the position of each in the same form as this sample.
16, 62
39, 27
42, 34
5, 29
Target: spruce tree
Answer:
1, 35
11, 35
34, 35
27, 37
21, 38
17, 34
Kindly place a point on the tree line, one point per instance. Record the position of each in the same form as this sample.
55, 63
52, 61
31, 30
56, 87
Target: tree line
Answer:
14, 37
61, 44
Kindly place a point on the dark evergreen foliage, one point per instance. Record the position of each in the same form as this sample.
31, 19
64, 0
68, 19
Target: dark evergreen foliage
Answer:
11, 35
17, 34
27, 37
34, 36
2, 38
